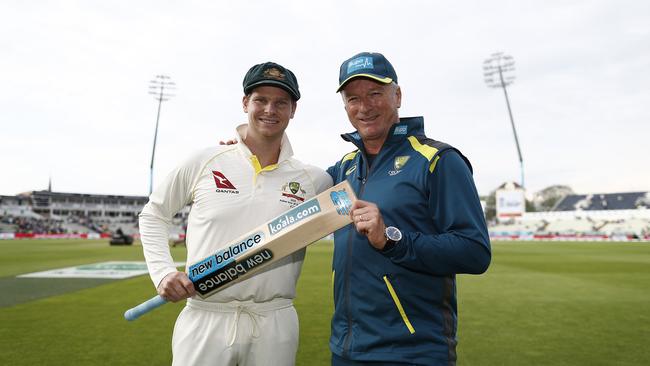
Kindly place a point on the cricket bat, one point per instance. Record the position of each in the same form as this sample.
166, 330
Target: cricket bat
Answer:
267, 243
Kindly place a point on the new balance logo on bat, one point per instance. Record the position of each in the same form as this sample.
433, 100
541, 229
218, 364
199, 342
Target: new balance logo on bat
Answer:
224, 256
232, 271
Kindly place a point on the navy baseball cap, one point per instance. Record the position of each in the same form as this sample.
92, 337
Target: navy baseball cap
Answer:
368, 65
271, 74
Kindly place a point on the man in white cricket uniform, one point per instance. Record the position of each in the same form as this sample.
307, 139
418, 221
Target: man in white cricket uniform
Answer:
233, 189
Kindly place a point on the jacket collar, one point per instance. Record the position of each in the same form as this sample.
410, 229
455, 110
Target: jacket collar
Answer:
407, 126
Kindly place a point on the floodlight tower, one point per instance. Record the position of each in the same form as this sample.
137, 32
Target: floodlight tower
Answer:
498, 70
160, 88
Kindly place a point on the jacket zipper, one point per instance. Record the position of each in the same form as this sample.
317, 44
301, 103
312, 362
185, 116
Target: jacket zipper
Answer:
348, 336
398, 304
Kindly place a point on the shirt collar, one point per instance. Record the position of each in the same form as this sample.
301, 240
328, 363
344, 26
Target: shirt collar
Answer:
286, 151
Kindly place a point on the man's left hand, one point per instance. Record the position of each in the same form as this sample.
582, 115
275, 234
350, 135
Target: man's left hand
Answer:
368, 221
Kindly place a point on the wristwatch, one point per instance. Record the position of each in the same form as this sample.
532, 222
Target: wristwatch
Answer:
393, 235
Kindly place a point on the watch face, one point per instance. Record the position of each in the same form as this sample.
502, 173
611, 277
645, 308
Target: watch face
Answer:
393, 233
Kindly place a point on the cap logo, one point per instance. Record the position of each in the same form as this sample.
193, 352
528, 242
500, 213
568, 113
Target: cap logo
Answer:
274, 73
360, 63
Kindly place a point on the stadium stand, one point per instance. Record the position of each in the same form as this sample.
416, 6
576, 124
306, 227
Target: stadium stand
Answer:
46, 212
612, 216
8, 228
632, 227
582, 225
606, 216
519, 226
604, 201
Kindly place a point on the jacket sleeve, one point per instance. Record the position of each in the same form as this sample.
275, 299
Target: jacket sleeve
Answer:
462, 244
333, 171
173, 193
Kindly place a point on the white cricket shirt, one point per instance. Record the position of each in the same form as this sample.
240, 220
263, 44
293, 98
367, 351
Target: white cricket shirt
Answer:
230, 194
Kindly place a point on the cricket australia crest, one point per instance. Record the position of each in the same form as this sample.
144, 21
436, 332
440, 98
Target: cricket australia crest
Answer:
398, 164
293, 194
274, 73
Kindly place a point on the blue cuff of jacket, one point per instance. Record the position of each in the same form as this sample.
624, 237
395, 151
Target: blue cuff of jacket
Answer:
398, 250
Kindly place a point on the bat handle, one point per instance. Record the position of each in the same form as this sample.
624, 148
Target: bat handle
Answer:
145, 307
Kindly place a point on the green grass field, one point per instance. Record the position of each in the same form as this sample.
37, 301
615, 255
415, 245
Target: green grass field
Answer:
538, 304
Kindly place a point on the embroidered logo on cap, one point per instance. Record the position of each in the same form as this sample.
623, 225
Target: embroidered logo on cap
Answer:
274, 73
360, 63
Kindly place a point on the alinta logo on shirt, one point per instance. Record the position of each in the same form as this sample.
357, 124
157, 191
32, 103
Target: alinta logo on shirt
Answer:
223, 184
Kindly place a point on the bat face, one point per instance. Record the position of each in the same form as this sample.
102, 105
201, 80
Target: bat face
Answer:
231, 272
294, 216
287, 233
342, 202
225, 256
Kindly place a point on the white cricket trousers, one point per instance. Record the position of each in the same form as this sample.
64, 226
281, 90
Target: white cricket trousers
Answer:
236, 334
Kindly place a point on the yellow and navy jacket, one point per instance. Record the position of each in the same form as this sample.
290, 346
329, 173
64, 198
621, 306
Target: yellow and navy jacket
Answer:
400, 305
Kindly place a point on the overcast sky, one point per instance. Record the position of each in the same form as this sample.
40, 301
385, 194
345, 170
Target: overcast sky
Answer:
74, 80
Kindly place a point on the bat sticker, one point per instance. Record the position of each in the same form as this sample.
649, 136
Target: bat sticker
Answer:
233, 270
291, 217
341, 201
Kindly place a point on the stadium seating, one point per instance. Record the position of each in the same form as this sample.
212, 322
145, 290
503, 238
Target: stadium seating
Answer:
611, 216
8, 228
636, 227
604, 201
570, 226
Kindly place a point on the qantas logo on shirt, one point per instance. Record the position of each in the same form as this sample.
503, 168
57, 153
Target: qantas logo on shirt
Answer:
223, 184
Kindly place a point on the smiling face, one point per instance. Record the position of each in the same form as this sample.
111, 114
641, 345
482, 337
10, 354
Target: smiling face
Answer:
269, 110
372, 109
